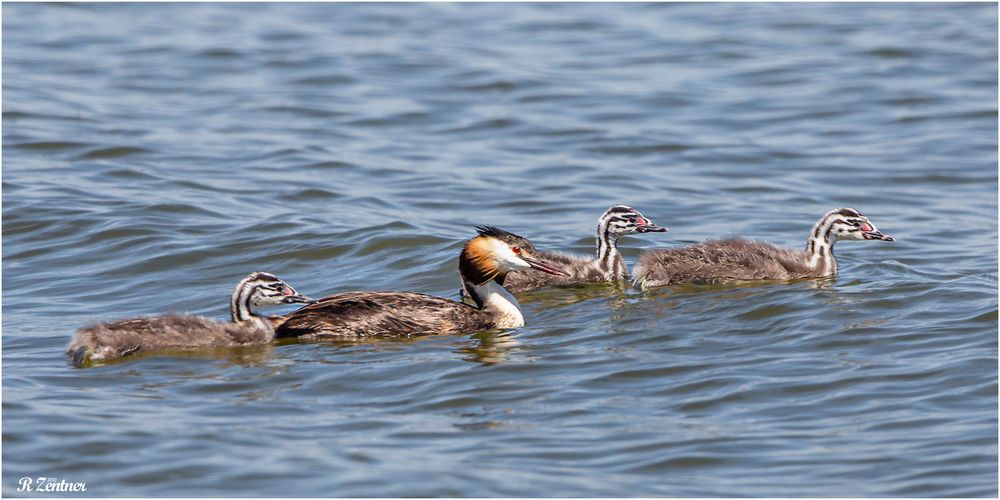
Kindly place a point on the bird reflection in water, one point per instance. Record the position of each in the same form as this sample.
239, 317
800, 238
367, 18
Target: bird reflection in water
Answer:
489, 347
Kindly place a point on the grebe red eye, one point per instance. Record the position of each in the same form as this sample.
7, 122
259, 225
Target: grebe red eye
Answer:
516, 250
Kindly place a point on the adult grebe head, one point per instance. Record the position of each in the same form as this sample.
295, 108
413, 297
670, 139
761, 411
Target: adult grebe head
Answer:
495, 252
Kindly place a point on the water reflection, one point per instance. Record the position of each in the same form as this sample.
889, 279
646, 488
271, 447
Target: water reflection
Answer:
554, 297
245, 356
485, 347
489, 347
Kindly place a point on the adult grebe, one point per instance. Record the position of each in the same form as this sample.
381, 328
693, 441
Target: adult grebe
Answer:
484, 263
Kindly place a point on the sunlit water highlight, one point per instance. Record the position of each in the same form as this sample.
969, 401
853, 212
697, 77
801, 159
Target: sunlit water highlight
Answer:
155, 154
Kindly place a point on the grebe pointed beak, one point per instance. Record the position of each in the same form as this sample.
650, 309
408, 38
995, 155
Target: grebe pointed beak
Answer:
543, 265
876, 235
298, 299
644, 225
647, 226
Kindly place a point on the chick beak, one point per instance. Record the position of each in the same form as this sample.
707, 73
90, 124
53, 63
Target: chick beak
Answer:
543, 265
646, 226
876, 235
297, 298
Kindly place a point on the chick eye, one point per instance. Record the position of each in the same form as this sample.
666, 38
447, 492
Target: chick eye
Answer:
630, 218
855, 223
280, 289
516, 250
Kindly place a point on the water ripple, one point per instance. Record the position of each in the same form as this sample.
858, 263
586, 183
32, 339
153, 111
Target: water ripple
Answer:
152, 160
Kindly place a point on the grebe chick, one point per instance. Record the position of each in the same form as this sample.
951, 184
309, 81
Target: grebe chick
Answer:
607, 266
740, 259
484, 263
121, 338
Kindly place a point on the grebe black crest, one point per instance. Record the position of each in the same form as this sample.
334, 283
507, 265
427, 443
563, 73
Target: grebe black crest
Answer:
105, 341
740, 259
606, 266
484, 263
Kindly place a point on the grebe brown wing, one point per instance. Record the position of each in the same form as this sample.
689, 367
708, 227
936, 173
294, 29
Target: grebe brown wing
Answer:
383, 314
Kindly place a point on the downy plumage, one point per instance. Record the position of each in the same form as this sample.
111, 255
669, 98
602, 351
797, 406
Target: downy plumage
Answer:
738, 259
104, 341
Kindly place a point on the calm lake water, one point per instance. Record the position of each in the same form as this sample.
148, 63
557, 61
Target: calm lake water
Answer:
156, 154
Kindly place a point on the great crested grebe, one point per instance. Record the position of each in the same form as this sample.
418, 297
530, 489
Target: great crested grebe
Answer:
484, 263
122, 338
607, 266
739, 259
